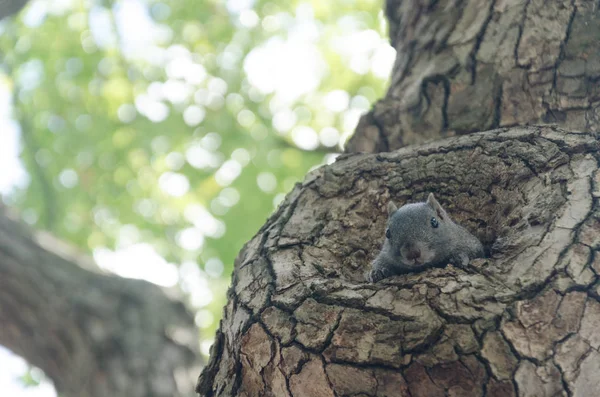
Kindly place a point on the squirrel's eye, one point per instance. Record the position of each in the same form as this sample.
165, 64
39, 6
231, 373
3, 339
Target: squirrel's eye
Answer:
387, 233
434, 223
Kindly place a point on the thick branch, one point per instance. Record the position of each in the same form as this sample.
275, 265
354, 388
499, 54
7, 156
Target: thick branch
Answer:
301, 320
93, 334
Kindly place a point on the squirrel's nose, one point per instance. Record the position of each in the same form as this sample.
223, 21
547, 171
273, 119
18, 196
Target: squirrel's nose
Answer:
413, 254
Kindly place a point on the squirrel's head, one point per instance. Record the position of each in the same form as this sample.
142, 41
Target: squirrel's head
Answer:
418, 234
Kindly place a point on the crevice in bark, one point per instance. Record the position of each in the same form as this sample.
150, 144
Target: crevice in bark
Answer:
380, 129
478, 42
561, 55
521, 27
497, 107
435, 80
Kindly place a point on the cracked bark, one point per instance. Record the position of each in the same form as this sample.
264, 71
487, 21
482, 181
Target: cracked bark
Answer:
472, 65
301, 320
94, 335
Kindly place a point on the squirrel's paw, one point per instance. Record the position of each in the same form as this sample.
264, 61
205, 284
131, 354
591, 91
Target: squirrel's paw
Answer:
459, 260
378, 274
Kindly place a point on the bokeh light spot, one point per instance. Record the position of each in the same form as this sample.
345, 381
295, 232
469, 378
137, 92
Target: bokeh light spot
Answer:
305, 138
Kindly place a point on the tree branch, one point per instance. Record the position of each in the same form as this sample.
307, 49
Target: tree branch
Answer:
93, 334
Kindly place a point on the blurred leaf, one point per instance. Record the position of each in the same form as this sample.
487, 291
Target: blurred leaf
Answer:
185, 121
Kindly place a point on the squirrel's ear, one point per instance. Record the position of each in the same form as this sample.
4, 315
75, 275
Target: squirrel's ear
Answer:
433, 203
391, 207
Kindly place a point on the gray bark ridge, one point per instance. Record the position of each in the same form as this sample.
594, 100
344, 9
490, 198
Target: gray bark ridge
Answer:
473, 65
301, 320
94, 335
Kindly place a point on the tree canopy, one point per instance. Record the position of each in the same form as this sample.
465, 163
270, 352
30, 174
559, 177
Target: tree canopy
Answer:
175, 128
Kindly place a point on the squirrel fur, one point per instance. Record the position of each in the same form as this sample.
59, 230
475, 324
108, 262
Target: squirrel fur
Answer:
422, 235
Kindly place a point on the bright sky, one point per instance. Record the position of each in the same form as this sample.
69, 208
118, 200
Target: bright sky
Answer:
296, 68
12, 367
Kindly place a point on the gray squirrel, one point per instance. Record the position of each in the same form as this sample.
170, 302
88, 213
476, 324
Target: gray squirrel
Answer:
422, 235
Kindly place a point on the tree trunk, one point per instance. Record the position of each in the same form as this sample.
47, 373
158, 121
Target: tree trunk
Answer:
94, 335
301, 320
473, 65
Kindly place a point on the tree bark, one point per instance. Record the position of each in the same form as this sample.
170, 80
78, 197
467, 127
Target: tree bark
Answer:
93, 334
301, 320
472, 65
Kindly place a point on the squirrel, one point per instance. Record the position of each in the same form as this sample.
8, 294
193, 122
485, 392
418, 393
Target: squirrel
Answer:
422, 235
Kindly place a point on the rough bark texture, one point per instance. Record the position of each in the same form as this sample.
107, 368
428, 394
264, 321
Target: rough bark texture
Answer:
301, 320
473, 65
94, 335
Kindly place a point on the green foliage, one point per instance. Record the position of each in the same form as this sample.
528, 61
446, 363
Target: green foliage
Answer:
113, 160
29, 380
